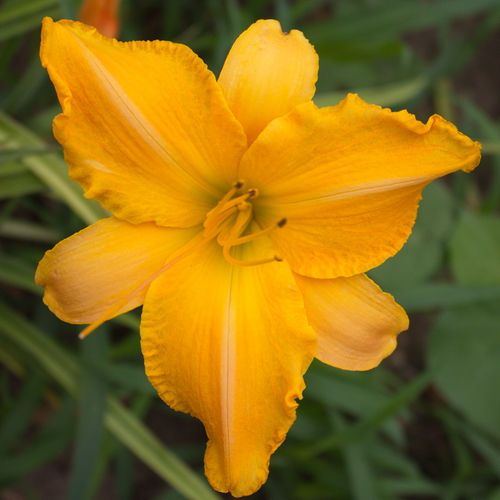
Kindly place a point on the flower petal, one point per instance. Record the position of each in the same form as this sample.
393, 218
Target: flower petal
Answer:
145, 127
350, 181
229, 345
103, 266
356, 322
267, 73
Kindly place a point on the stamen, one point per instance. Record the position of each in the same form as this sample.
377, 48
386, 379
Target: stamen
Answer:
236, 187
213, 224
236, 201
226, 250
240, 224
222, 211
251, 237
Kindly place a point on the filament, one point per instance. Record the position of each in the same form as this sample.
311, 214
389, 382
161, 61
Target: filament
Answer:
241, 240
238, 228
226, 251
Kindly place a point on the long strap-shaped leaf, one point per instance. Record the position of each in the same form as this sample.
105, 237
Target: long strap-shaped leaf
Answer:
49, 168
63, 367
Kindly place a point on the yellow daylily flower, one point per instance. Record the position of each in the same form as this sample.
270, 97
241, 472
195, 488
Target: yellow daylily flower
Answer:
244, 219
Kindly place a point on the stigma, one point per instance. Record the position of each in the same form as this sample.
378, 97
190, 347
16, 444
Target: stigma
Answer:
229, 220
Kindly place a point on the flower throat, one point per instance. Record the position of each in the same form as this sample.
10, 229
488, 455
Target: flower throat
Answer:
229, 219
227, 222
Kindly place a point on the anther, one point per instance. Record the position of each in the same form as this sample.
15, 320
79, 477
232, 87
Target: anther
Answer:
238, 184
282, 222
277, 258
252, 193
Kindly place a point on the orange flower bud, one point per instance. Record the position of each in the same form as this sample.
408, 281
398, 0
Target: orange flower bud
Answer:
103, 15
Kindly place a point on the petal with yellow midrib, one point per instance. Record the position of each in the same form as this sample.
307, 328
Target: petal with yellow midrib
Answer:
145, 127
267, 73
356, 322
107, 266
229, 345
348, 179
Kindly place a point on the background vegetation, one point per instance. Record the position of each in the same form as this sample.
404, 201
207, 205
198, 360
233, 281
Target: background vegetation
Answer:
79, 420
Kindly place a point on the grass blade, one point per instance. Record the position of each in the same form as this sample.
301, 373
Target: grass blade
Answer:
50, 169
433, 296
392, 94
28, 231
91, 408
48, 444
16, 272
123, 424
19, 417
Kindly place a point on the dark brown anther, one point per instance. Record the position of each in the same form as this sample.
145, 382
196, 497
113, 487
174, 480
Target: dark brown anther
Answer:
282, 222
278, 259
252, 193
238, 184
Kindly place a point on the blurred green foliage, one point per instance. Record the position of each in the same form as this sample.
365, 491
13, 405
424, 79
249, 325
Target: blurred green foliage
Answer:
426, 424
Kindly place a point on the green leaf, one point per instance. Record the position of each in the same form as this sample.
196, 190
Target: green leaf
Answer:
359, 469
488, 130
127, 375
475, 250
432, 296
488, 448
10, 153
24, 230
13, 11
26, 89
11, 168
46, 446
91, 407
16, 18
391, 18
123, 458
19, 416
390, 407
421, 257
335, 390
392, 94
401, 475
123, 424
23, 184
463, 352
411, 488
16, 272
50, 169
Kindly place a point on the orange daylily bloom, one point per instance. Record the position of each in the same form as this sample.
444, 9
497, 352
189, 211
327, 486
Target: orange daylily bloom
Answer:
244, 219
103, 15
